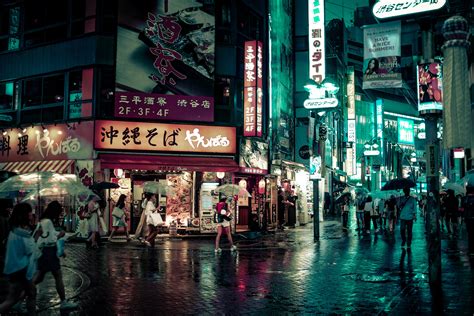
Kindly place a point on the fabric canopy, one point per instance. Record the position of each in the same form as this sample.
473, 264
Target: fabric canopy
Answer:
20, 167
149, 162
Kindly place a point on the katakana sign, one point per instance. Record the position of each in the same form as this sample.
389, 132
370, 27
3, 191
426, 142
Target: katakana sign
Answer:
391, 8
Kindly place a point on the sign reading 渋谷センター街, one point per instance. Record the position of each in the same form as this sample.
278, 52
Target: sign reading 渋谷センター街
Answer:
391, 8
382, 56
141, 136
50, 142
164, 107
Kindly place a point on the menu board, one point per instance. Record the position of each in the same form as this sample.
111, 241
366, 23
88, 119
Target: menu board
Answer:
179, 198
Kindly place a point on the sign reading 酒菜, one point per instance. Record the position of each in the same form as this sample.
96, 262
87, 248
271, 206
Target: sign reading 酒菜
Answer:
142, 136
164, 107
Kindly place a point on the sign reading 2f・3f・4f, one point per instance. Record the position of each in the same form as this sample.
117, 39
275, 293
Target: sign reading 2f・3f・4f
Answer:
140, 136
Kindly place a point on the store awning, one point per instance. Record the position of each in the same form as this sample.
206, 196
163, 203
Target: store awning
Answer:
20, 167
167, 163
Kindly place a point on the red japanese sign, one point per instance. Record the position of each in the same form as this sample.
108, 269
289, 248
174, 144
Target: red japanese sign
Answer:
253, 93
50, 142
164, 107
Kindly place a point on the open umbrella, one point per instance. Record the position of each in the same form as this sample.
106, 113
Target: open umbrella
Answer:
98, 186
34, 181
340, 198
385, 194
456, 187
74, 188
155, 187
398, 184
231, 190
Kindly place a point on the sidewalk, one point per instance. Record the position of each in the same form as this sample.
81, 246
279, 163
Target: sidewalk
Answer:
285, 273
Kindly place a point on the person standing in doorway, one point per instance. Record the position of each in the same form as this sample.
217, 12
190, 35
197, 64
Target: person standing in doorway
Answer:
407, 207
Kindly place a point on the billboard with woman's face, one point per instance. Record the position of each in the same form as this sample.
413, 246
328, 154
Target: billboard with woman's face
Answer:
430, 87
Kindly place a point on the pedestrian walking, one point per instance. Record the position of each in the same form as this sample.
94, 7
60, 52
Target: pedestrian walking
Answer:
407, 207
451, 204
153, 220
4, 226
468, 205
142, 226
391, 211
370, 214
281, 208
20, 260
120, 215
380, 207
345, 213
442, 212
93, 224
360, 201
223, 218
46, 238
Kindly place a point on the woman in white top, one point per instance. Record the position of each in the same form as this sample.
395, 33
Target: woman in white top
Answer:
46, 237
370, 213
93, 223
152, 226
142, 223
18, 261
119, 215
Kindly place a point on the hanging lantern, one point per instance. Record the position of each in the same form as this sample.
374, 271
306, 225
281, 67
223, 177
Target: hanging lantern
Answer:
220, 175
118, 173
261, 186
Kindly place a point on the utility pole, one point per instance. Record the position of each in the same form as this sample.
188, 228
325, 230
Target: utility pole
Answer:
432, 170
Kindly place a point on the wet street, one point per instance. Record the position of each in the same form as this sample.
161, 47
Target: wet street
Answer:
283, 273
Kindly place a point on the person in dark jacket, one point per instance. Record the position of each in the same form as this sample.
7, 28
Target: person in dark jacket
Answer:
468, 205
452, 210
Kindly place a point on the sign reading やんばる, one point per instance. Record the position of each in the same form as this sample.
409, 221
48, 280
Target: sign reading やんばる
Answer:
141, 136
50, 142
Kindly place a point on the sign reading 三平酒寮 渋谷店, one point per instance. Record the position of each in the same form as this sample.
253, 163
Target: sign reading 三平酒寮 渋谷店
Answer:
50, 142
164, 107
253, 88
144, 136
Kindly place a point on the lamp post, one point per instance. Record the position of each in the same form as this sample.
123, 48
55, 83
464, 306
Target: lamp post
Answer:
321, 99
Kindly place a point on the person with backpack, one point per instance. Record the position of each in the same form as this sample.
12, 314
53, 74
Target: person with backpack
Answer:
222, 219
468, 205
407, 206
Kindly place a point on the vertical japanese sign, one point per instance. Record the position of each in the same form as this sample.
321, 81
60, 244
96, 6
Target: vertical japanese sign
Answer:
406, 131
379, 122
253, 84
382, 56
166, 48
430, 87
317, 55
351, 123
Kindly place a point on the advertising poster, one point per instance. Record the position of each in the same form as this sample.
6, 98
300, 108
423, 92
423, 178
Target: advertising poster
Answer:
179, 198
406, 131
382, 56
165, 48
253, 157
315, 165
430, 87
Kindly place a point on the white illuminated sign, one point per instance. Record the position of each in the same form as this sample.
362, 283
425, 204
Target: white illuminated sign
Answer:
325, 103
317, 55
391, 8
371, 153
351, 131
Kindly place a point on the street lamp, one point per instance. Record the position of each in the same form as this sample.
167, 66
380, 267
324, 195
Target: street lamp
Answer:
321, 99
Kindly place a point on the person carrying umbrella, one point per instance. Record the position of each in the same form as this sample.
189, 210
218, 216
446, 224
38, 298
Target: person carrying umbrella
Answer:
407, 207
468, 205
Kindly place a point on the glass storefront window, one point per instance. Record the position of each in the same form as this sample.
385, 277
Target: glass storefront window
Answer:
6, 96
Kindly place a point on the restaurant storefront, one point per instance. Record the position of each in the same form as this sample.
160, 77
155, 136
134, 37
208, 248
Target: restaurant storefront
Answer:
189, 161
59, 148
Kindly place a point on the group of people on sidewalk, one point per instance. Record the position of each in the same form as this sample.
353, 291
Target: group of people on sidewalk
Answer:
31, 252
383, 215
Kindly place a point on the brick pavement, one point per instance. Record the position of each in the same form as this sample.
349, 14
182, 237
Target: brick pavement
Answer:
285, 273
